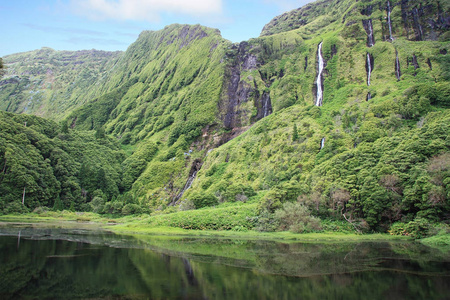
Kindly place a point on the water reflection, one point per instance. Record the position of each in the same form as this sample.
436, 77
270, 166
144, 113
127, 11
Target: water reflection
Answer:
64, 263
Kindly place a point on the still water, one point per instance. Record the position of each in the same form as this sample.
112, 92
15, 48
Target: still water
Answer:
58, 263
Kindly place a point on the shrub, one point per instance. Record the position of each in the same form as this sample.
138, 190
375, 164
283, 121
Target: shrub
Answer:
238, 192
15, 208
97, 204
131, 209
40, 210
238, 217
203, 200
266, 221
296, 217
418, 228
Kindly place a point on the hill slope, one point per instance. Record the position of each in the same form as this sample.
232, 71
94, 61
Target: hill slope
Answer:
338, 105
50, 83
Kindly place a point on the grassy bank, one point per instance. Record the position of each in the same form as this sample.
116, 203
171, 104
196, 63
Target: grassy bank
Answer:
166, 225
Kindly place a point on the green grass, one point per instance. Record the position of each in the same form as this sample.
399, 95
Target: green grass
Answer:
440, 241
144, 225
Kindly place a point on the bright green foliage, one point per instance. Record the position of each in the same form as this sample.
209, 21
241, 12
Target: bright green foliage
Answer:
167, 98
52, 83
53, 169
418, 228
203, 200
223, 218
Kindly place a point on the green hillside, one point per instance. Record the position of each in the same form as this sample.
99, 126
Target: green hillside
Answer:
50, 83
201, 121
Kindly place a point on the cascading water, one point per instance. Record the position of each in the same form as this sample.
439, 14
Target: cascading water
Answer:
370, 37
319, 98
187, 185
196, 165
267, 105
322, 143
369, 68
397, 66
389, 20
367, 24
415, 14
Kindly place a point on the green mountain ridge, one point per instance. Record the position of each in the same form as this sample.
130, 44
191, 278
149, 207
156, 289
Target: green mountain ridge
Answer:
201, 120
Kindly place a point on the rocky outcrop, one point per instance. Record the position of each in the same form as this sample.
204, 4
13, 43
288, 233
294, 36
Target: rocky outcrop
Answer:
238, 91
424, 20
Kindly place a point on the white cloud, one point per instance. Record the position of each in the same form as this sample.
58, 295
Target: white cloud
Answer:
149, 10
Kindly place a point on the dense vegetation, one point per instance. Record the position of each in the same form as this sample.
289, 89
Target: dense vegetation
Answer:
181, 121
47, 165
51, 83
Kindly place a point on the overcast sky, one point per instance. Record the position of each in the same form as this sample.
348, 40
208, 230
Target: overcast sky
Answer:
115, 24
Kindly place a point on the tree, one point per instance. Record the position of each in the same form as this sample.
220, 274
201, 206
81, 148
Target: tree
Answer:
64, 127
100, 133
294, 133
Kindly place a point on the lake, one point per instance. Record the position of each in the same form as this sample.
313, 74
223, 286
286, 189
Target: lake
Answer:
48, 262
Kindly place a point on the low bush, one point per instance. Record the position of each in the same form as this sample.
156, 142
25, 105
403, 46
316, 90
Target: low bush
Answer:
130, 209
238, 217
418, 228
296, 218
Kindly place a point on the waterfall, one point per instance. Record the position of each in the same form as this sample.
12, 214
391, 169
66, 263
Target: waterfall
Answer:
397, 66
319, 98
188, 183
370, 36
369, 68
266, 104
367, 24
415, 13
322, 143
369, 96
389, 20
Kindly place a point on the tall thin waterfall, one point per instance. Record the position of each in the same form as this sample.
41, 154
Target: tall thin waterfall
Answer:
187, 185
397, 66
267, 106
370, 37
319, 98
369, 69
389, 20
322, 143
367, 24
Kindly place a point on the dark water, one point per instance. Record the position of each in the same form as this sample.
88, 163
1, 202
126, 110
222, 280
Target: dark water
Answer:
37, 263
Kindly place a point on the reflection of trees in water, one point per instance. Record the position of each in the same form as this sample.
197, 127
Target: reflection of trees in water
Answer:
66, 269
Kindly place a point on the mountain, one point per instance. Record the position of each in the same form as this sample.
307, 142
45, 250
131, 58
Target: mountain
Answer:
50, 83
340, 106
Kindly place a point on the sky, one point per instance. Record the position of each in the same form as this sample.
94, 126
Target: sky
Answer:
115, 24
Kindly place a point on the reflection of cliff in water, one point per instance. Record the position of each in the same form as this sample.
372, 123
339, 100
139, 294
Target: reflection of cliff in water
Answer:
77, 264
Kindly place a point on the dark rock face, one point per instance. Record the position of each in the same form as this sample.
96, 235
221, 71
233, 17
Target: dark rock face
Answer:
264, 106
398, 72
424, 20
413, 60
367, 24
238, 91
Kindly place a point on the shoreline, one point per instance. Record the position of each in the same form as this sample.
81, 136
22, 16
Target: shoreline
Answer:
129, 226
